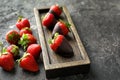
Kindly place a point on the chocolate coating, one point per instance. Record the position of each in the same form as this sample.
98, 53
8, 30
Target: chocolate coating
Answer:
56, 16
56, 29
65, 49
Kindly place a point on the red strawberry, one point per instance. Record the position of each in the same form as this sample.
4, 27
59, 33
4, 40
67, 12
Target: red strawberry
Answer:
14, 50
61, 28
22, 23
27, 62
49, 21
26, 40
12, 37
6, 59
25, 31
34, 49
61, 46
56, 10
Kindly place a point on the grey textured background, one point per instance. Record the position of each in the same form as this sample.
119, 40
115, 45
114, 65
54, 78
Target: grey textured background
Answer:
98, 25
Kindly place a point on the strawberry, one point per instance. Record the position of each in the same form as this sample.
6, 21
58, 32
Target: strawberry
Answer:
22, 23
61, 28
34, 49
27, 62
14, 50
6, 59
55, 10
49, 21
25, 30
26, 40
61, 46
12, 37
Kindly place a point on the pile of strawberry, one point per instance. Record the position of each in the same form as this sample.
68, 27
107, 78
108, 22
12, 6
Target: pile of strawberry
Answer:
59, 44
25, 39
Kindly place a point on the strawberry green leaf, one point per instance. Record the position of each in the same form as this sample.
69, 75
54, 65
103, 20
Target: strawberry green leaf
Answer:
2, 49
55, 36
15, 50
67, 24
50, 41
24, 41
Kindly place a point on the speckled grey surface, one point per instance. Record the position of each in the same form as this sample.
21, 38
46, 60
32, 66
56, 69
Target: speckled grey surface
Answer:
98, 25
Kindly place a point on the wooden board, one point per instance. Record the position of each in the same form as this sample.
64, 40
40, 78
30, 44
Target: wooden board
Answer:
55, 65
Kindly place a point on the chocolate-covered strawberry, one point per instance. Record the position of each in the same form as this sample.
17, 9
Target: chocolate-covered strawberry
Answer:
12, 37
61, 28
49, 21
61, 46
26, 40
14, 50
55, 10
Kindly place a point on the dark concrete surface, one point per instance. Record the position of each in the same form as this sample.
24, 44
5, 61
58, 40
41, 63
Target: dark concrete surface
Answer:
98, 25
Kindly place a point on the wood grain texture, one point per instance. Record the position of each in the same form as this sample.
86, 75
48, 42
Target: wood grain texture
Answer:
56, 65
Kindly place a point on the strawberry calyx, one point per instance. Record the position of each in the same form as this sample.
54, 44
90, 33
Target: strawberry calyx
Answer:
51, 41
19, 18
15, 50
11, 36
24, 41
